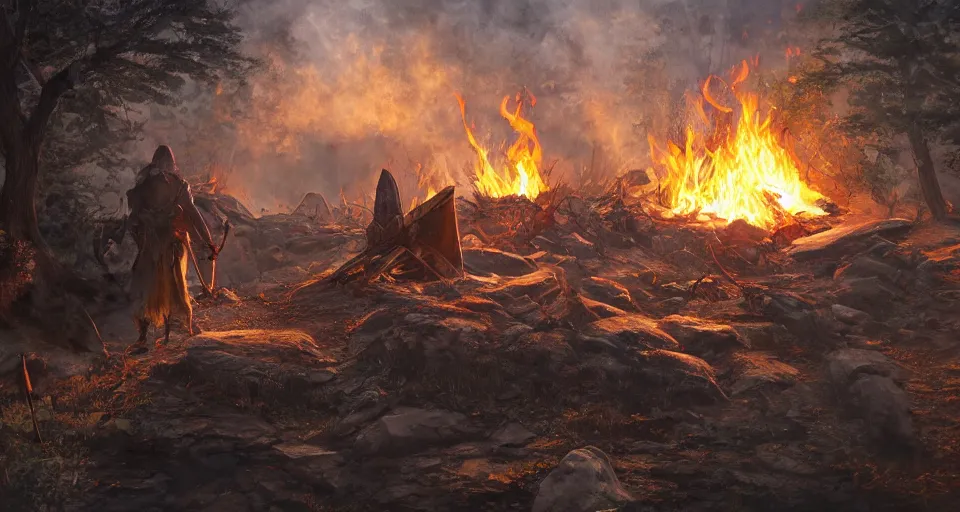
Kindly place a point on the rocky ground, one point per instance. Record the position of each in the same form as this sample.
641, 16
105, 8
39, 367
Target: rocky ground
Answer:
580, 366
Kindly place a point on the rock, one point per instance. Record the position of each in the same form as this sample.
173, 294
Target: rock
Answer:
584, 481
783, 460
122, 424
287, 359
314, 464
512, 434
514, 332
700, 337
600, 309
301, 451
543, 286
239, 430
885, 408
315, 206
755, 369
608, 292
847, 365
408, 430
785, 305
867, 266
605, 367
784, 235
665, 244
543, 350
869, 294
632, 330
762, 335
839, 240
520, 306
672, 304
493, 261
679, 378
470, 241
580, 247
271, 258
739, 231
638, 182
436, 336
849, 315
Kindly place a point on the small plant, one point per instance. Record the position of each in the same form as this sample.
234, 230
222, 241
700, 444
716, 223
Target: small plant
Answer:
16, 270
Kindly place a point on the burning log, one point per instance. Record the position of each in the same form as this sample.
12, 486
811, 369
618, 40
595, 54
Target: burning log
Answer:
423, 243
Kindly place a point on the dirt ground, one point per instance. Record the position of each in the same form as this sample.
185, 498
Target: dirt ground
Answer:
824, 379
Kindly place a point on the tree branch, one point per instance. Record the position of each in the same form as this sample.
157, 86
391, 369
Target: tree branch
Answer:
50, 95
26, 9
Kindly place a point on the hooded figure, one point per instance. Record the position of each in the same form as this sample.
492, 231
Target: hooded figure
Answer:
162, 215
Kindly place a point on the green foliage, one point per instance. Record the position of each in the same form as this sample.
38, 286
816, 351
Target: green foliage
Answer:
900, 60
128, 54
131, 53
16, 267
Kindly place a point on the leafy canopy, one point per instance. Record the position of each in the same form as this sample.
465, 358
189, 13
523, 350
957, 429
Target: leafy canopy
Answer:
900, 58
115, 55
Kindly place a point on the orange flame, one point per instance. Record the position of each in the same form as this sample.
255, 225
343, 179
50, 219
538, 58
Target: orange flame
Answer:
425, 182
750, 175
521, 175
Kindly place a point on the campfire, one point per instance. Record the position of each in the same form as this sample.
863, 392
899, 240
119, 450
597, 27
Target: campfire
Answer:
736, 166
520, 173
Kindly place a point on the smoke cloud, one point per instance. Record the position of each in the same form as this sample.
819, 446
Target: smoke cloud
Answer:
351, 86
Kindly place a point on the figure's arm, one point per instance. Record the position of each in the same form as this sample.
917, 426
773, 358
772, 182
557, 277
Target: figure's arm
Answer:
196, 219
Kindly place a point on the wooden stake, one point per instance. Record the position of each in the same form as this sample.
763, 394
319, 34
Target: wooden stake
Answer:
27, 393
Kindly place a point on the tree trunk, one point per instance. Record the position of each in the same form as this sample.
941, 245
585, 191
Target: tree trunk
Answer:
927, 174
18, 198
18, 210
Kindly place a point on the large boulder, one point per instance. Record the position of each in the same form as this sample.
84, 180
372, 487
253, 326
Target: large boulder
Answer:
512, 434
755, 370
543, 286
489, 261
430, 331
679, 379
321, 467
885, 409
838, 241
632, 331
584, 481
543, 351
870, 382
608, 292
870, 294
409, 430
314, 206
254, 360
701, 338
849, 315
762, 335
847, 365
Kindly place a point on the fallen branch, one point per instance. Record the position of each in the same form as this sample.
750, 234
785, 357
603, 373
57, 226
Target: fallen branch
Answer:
723, 271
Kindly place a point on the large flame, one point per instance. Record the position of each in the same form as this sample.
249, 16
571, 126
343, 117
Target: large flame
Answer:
735, 172
520, 175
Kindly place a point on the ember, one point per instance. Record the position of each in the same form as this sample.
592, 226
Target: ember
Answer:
521, 175
741, 172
